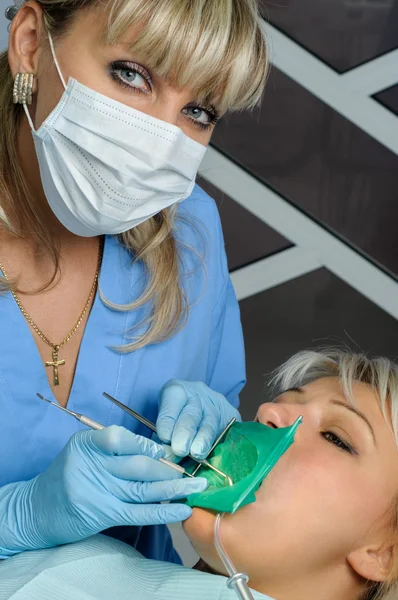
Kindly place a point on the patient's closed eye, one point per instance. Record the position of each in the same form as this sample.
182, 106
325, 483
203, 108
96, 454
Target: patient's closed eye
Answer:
332, 438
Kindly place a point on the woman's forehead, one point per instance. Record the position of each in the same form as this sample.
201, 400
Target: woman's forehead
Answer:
331, 391
333, 388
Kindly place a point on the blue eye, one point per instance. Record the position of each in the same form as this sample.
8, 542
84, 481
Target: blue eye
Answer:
131, 75
332, 438
202, 117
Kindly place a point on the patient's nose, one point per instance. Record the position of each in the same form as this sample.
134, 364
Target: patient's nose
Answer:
278, 415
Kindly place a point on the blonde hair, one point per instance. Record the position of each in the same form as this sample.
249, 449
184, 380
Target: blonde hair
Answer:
217, 44
381, 374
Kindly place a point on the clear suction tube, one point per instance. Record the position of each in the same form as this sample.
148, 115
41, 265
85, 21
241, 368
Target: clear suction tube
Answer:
237, 581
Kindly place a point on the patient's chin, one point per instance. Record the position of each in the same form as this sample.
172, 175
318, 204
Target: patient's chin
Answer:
200, 529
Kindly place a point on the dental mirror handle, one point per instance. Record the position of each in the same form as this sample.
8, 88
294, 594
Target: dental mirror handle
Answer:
90, 422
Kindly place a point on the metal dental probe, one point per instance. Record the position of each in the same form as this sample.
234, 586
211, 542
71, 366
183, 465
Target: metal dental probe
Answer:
131, 412
218, 440
95, 425
152, 426
82, 418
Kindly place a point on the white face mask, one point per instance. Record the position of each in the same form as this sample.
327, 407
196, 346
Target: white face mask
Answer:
106, 167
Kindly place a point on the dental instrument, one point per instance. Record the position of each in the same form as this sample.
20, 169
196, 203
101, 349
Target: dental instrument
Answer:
236, 581
131, 412
95, 425
213, 468
201, 462
218, 440
82, 418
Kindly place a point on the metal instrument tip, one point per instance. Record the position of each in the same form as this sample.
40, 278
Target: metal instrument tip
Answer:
70, 412
42, 398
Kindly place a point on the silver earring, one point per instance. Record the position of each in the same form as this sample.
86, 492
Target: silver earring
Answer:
23, 87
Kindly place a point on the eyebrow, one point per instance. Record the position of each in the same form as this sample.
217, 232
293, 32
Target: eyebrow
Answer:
357, 412
349, 407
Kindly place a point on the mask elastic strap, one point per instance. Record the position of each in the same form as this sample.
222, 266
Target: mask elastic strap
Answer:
55, 60
59, 73
28, 117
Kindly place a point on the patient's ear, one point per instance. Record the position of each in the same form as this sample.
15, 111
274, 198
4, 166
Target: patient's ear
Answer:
371, 562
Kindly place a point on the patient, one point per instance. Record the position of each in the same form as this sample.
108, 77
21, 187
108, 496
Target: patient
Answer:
324, 524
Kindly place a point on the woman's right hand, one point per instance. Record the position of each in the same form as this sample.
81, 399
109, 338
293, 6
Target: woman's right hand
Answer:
99, 480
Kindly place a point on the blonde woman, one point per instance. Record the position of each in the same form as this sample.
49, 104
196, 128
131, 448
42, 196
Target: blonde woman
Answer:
114, 276
324, 523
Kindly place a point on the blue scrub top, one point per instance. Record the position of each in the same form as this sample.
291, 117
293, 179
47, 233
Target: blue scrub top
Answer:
209, 348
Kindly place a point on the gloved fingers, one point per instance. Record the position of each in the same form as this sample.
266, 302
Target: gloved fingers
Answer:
173, 398
212, 425
155, 438
204, 439
155, 514
139, 468
186, 427
186, 407
168, 453
160, 491
115, 440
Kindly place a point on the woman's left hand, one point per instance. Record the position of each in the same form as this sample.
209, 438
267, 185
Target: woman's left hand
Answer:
192, 416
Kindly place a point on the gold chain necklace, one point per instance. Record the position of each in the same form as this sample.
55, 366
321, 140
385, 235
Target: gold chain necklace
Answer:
55, 363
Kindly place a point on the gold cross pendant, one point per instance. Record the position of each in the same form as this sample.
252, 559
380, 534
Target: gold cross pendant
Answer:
55, 363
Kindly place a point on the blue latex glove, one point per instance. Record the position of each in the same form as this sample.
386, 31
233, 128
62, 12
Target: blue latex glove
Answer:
99, 480
192, 416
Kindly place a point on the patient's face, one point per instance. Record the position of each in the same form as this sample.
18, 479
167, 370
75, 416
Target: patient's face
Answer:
329, 492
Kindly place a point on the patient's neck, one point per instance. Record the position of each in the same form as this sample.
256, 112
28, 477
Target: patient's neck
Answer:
338, 582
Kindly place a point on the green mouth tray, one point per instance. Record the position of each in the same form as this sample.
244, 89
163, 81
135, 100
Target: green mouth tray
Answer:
247, 454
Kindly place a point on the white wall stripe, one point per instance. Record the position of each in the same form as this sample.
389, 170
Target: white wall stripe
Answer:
324, 83
373, 76
272, 271
301, 230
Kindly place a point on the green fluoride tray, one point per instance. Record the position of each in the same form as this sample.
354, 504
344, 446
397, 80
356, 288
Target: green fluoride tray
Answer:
247, 454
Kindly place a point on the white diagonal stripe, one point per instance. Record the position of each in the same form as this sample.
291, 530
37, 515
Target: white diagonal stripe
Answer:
272, 271
373, 76
322, 81
301, 230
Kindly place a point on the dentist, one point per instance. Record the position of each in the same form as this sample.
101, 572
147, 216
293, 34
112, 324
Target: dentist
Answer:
113, 271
